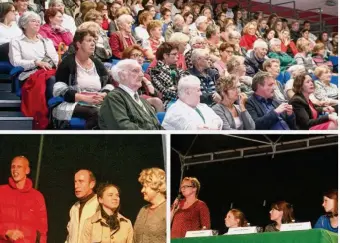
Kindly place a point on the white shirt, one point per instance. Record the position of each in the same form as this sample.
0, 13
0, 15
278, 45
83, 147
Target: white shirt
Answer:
33, 51
7, 33
180, 116
88, 80
142, 33
68, 23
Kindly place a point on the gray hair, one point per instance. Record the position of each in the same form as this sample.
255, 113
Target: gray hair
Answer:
185, 83
179, 37
124, 18
26, 17
234, 34
259, 43
121, 66
200, 20
296, 69
196, 39
197, 53
53, 3
177, 19
274, 41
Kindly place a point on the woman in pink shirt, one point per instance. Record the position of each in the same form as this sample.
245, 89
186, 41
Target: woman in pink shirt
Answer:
53, 29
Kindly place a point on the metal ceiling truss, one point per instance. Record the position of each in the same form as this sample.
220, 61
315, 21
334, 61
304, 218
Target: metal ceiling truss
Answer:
262, 148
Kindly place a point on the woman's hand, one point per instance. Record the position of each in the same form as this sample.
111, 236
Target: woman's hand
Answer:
94, 99
243, 99
149, 85
43, 65
328, 109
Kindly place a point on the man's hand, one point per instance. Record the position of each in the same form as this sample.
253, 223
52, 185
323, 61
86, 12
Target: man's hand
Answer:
14, 235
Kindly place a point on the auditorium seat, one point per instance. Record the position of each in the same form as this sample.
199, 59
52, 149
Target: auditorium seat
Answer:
74, 124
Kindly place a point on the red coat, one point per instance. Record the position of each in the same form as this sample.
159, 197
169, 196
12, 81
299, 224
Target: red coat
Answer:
33, 97
22, 209
247, 41
56, 37
292, 47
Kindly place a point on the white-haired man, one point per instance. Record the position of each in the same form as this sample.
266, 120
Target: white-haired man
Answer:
207, 75
187, 113
256, 57
201, 25
177, 26
123, 109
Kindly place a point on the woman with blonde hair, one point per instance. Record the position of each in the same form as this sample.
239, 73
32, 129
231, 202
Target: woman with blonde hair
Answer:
189, 213
150, 225
234, 117
151, 45
235, 218
107, 224
304, 47
325, 91
249, 36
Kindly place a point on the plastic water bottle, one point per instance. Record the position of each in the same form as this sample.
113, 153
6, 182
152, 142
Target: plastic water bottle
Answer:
229, 14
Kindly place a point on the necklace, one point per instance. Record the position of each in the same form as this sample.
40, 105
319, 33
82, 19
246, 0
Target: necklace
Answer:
87, 66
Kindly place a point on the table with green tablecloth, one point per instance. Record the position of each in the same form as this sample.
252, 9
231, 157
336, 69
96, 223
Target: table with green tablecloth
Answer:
303, 236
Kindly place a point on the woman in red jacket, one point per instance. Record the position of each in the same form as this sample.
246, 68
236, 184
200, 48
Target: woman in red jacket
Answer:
53, 29
287, 45
249, 37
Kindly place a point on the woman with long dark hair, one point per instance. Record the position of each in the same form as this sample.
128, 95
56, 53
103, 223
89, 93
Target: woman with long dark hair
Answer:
329, 221
107, 223
281, 213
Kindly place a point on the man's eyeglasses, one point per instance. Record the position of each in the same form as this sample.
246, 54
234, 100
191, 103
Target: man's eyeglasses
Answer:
185, 187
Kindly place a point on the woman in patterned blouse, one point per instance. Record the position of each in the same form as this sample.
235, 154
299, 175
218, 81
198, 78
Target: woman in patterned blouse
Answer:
190, 213
150, 225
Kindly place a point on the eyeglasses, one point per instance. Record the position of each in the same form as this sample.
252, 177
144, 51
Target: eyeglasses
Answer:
185, 187
136, 55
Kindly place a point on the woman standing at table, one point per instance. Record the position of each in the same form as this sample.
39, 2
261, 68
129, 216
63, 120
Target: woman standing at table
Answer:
235, 218
329, 221
150, 225
281, 213
190, 213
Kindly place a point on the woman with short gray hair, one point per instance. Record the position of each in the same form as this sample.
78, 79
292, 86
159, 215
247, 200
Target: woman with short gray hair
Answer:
122, 38
32, 52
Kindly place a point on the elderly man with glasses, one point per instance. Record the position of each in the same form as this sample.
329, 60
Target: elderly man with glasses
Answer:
207, 75
123, 109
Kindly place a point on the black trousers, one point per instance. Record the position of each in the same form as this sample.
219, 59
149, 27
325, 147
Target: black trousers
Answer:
90, 114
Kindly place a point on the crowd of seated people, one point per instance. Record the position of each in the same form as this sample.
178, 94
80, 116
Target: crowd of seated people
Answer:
249, 55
